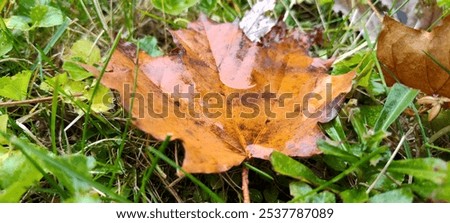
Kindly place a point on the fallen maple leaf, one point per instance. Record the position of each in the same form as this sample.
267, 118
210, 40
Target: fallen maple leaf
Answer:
416, 58
228, 99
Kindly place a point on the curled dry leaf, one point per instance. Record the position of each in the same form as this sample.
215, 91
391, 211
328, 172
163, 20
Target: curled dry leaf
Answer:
228, 99
416, 58
435, 103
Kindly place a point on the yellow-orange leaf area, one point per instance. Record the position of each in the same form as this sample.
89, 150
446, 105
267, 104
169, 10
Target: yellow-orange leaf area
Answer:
415, 57
228, 99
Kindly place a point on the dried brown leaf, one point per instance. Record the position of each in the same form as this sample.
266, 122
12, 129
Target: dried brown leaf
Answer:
403, 51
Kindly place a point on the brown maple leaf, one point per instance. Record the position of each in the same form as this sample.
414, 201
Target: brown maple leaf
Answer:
228, 99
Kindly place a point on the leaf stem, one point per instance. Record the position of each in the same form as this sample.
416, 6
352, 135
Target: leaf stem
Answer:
245, 190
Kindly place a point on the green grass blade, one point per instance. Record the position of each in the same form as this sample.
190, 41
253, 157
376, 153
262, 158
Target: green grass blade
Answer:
129, 118
59, 32
447, 150
399, 98
101, 17
436, 61
422, 129
258, 171
102, 72
332, 150
53, 116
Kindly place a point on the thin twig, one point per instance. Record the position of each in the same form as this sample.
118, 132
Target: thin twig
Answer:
227, 178
30, 134
176, 181
73, 123
23, 119
383, 171
101, 141
245, 190
350, 53
31, 101
169, 188
25, 102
